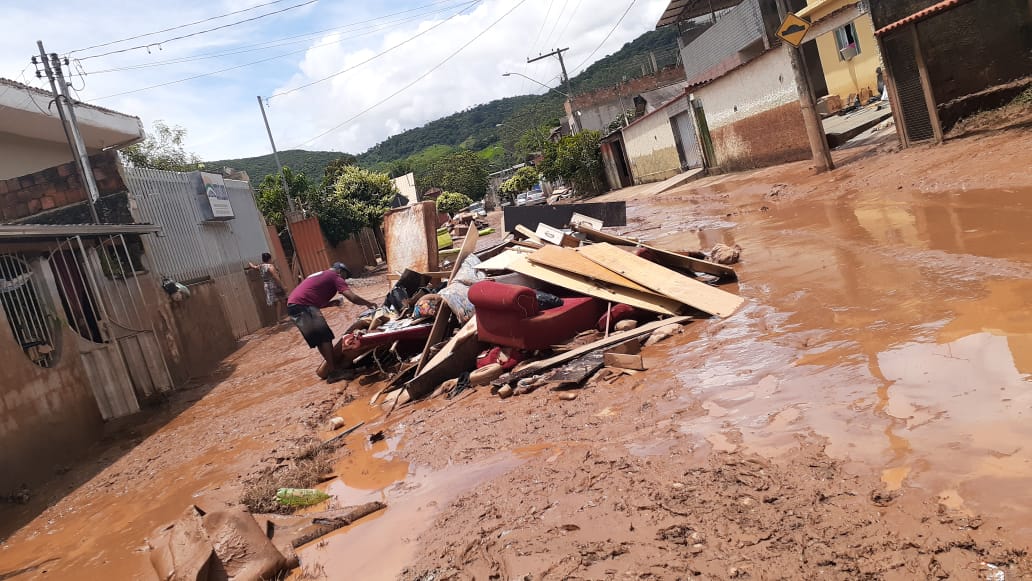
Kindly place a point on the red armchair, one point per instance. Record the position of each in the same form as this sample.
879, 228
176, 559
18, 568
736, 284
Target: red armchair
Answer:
509, 315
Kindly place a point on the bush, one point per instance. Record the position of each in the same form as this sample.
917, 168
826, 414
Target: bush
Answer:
359, 198
578, 160
452, 202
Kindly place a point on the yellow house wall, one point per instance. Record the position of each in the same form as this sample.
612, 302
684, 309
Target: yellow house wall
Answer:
846, 77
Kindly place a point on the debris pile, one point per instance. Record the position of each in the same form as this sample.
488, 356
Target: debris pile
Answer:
553, 306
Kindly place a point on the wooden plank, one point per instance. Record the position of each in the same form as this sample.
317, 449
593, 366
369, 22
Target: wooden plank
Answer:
528, 234
570, 260
660, 279
500, 262
440, 328
458, 355
649, 302
535, 366
666, 257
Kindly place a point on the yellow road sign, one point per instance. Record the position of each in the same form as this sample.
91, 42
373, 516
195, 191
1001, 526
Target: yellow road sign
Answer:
793, 29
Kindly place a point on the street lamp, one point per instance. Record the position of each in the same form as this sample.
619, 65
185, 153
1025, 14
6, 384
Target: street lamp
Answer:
538, 82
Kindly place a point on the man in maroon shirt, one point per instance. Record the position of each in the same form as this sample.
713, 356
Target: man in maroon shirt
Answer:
314, 293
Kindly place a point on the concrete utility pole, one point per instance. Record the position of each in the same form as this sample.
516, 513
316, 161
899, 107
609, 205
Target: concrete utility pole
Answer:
814, 130
66, 110
566, 80
275, 155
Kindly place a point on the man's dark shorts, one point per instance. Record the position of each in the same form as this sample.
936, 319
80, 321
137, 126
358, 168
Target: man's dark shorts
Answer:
310, 322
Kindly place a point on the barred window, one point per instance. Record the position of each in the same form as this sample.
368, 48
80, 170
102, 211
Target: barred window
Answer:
30, 320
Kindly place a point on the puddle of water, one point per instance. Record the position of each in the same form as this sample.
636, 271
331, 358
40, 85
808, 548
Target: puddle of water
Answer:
378, 549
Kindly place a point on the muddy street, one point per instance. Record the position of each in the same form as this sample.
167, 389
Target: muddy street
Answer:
865, 415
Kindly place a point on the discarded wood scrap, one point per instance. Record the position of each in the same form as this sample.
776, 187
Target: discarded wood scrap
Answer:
325, 523
664, 257
672, 284
458, 355
570, 260
441, 321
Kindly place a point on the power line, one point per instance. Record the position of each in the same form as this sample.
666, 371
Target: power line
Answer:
576, 7
303, 38
171, 28
551, 33
376, 56
416, 80
211, 73
610, 33
533, 45
199, 32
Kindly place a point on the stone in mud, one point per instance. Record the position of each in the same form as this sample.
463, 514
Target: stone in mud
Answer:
243, 550
724, 254
568, 395
663, 333
181, 551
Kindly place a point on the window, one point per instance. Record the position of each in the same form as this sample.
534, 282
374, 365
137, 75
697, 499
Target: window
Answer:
29, 320
845, 41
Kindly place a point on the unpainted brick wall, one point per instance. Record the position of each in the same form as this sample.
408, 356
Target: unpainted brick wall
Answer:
26, 196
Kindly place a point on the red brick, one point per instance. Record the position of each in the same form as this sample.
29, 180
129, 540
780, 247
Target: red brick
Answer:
99, 174
3, 187
75, 195
35, 206
18, 211
26, 182
26, 194
47, 202
60, 198
65, 170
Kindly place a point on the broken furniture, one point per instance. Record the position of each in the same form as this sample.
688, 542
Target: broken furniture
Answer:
509, 315
350, 346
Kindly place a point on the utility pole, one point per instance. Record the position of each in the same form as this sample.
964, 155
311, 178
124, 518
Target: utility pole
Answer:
66, 110
814, 130
275, 155
566, 79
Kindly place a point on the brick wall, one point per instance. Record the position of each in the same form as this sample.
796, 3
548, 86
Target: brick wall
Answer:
664, 77
25, 197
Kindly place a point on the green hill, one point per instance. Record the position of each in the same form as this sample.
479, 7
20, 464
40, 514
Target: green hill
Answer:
484, 128
311, 163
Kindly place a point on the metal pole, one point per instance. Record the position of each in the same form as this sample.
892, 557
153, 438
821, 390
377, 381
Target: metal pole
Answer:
275, 156
566, 80
66, 110
814, 130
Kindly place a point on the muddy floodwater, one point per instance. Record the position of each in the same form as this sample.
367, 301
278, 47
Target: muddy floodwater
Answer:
876, 387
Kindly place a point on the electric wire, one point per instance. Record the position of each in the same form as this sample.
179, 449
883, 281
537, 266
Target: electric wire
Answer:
199, 32
171, 28
414, 81
289, 40
376, 56
242, 65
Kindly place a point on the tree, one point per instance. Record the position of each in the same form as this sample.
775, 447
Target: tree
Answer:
273, 203
533, 141
460, 171
335, 168
358, 199
452, 202
576, 159
162, 149
521, 181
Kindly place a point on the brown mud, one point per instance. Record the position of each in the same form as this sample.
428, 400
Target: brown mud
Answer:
865, 415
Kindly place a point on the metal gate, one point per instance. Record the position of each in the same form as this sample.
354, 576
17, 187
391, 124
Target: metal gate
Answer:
687, 140
900, 53
102, 300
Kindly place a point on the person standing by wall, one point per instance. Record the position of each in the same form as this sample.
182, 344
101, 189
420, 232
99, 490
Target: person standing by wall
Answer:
304, 303
274, 293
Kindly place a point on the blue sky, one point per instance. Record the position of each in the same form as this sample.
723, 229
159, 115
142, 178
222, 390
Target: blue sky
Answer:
308, 43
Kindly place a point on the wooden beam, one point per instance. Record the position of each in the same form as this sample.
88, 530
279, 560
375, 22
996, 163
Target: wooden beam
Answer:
667, 282
573, 262
645, 301
666, 257
440, 328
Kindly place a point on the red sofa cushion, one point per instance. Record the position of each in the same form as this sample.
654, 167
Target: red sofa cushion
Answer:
508, 315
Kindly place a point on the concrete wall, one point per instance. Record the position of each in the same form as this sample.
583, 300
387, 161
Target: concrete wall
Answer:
753, 114
196, 333
651, 149
24, 155
47, 416
725, 45
849, 77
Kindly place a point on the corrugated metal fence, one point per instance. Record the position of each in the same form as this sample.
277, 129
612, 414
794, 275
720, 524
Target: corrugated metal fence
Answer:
191, 250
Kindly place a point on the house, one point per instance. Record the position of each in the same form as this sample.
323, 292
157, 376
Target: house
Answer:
32, 137
600, 109
947, 59
849, 54
87, 332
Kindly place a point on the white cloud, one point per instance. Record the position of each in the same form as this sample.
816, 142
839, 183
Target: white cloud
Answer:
220, 112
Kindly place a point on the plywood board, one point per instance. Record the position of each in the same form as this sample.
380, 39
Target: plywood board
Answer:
585, 286
411, 237
660, 279
569, 260
500, 262
666, 257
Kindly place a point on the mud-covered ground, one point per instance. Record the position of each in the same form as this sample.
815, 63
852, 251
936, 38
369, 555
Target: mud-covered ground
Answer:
863, 416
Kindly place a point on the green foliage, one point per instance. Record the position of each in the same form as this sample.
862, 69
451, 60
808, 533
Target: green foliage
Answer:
494, 157
334, 169
273, 203
460, 171
577, 159
359, 198
521, 181
452, 202
533, 141
162, 149
311, 163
